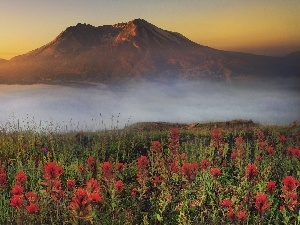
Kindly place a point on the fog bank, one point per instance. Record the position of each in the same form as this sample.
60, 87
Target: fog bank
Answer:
92, 107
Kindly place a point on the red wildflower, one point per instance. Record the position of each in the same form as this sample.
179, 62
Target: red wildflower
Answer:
174, 140
57, 192
32, 208
71, 184
16, 201
92, 185
52, 171
258, 158
20, 178
3, 180
107, 170
261, 202
230, 214
217, 137
260, 135
281, 208
133, 191
95, 197
31, 197
81, 197
80, 169
226, 203
17, 190
156, 147
142, 163
251, 171
239, 141
157, 179
290, 184
242, 215
119, 185
271, 186
90, 162
282, 138
189, 170
120, 166
204, 164
233, 155
215, 172
270, 150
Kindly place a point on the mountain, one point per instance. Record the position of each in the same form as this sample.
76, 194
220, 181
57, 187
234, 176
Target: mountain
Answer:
137, 50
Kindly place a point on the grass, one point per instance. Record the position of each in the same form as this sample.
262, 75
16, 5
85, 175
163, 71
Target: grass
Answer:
235, 172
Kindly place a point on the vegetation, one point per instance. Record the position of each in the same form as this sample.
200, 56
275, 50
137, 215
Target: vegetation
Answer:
214, 173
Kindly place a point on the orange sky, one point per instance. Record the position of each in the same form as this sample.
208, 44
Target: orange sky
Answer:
270, 27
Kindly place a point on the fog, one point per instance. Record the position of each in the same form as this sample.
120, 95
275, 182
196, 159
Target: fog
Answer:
93, 107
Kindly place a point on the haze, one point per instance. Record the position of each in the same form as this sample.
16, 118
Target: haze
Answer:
77, 107
269, 27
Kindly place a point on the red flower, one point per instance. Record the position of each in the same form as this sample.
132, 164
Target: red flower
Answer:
92, 185
31, 197
271, 186
242, 215
32, 208
290, 184
230, 213
81, 198
95, 197
261, 202
71, 184
3, 180
120, 166
282, 138
52, 171
119, 185
270, 150
251, 171
233, 155
80, 169
226, 203
204, 164
16, 201
21, 178
142, 162
281, 208
189, 170
156, 147
90, 162
258, 158
215, 172
17, 190
157, 179
107, 170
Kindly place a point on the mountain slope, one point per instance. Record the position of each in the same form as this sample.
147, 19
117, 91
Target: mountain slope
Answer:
133, 51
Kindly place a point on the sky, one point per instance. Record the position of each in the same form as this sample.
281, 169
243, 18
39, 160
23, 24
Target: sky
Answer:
267, 27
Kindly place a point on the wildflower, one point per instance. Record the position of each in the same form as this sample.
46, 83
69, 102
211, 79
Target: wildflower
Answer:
20, 178
242, 215
233, 155
120, 166
52, 171
3, 180
290, 184
258, 158
230, 214
32, 208
16, 201
57, 192
31, 197
251, 171
17, 190
270, 150
71, 184
261, 202
142, 162
174, 140
45, 150
281, 208
133, 192
189, 170
204, 164
282, 138
107, 170
95, 197
91, 163
156, 147
119, 185
80, 169
92, 185
157, 179
226, 203
271, 186
215, 172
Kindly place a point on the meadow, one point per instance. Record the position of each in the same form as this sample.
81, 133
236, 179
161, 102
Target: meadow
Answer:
234, 172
